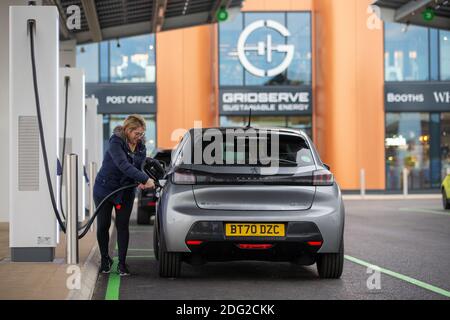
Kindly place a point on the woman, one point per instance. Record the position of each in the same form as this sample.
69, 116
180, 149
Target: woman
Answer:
121, 166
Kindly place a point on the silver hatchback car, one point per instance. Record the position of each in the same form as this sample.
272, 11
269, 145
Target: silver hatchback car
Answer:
223, 200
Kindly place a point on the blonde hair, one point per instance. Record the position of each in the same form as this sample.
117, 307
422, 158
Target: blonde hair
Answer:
133, 122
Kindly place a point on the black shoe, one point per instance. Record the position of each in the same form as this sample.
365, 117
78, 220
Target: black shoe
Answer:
105, 266
122, 269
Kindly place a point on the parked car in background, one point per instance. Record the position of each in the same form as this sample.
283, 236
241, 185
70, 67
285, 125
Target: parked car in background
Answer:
147, 198
446, 192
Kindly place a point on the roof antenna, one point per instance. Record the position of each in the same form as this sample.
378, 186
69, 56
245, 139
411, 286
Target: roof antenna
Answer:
249, 124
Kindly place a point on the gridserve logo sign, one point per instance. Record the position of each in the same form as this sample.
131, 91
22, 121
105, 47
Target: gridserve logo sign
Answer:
266, 49
265, 65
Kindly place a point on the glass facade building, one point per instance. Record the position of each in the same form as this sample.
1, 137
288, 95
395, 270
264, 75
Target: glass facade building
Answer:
376, 99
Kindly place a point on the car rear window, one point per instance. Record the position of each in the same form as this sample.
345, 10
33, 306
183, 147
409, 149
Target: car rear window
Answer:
256, 148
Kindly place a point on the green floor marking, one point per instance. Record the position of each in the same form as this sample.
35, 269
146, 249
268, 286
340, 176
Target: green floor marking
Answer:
112, 290
413, 281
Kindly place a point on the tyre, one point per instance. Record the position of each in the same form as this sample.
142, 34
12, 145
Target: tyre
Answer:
445, 200
169, 262
143, 216
155, 242
331, 265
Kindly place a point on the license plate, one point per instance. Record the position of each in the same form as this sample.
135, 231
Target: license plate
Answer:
254, 230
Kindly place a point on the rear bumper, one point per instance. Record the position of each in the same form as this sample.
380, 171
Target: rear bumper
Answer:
300, 244
177, 214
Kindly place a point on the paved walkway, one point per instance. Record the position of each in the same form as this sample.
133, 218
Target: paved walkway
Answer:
21, 280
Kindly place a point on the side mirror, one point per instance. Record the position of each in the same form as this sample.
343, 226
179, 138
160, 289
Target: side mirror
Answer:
327, 166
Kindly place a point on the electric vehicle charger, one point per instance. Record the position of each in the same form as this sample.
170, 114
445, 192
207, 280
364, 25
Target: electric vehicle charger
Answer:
150, 166
62, 159
66, 83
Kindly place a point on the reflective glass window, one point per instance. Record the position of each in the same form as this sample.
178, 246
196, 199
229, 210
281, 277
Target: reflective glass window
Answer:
232, 121
261, 49
445, 144
133, 59
434, 54
303, 123
444, 40
407, 146
406, 53
231, 70
104, 61
87, 58
269, 121
299, 25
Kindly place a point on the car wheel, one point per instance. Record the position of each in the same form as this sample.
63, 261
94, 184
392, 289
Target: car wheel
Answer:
331, 265
445, 200
155, 242
169, 262
143, 216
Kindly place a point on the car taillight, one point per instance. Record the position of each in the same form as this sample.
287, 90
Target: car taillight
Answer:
183, 177
322, 178
194, 242
317, 178
187, 177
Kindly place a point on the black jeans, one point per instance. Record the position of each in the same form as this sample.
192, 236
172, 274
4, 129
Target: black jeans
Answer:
122, 223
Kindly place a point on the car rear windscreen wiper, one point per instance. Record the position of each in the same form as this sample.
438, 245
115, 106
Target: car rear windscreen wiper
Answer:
283, 161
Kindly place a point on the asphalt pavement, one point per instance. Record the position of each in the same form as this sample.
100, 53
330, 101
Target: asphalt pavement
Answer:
394, 249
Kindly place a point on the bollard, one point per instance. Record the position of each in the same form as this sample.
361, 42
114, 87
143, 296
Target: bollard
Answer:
72, 209
362, 182
92, 174
405, 182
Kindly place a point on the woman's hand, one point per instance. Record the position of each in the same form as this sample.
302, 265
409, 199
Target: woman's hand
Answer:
150, 184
